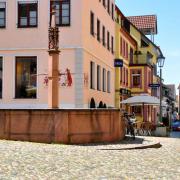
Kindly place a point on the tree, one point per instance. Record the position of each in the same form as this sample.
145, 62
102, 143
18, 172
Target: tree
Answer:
101, 105
92, 103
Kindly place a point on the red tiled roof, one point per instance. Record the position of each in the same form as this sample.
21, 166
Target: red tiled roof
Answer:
143, 23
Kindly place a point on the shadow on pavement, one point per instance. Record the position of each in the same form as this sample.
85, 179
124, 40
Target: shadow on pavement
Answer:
127, 140
156, 146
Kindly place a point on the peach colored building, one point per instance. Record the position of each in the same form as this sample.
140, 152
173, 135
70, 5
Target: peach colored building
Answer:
87, 31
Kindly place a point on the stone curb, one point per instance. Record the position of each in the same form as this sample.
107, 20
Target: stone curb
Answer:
147, 146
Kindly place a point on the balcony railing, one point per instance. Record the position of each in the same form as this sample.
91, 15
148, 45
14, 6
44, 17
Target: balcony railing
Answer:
142, 59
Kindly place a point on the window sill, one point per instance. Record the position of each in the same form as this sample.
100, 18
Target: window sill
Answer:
25, 98
20, 27
64, 25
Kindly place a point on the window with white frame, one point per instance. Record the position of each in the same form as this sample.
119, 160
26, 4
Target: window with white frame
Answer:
2, 14
98, 77
92, 75
108, 81
1, 76
62, 12
26, 77
136, 78
27, 14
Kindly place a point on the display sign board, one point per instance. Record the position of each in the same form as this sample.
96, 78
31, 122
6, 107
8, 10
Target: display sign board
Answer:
154, 85
118, 63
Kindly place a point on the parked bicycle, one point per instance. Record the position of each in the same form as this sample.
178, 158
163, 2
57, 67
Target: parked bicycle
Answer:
130, 120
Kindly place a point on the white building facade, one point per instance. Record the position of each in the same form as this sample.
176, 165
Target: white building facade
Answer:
87, 31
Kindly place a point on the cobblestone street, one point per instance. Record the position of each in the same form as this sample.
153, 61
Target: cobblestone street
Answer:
23, 160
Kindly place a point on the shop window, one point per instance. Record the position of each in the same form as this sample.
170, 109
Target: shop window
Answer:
62, 12
27, 14
1, 76
26, 77
2, 14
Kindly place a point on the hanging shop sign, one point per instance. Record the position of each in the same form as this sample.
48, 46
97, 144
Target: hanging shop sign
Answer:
118, 63
154, 85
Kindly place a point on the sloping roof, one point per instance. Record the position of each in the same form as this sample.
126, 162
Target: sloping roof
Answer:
147, 23
142, 34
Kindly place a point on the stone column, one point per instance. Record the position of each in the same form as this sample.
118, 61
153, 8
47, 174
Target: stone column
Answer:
53, 64
53, 75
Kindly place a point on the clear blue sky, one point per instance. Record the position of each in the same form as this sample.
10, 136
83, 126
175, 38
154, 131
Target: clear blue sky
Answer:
168, 38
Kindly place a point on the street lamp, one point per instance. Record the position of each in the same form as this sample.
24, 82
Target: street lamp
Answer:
161, 60
179, 102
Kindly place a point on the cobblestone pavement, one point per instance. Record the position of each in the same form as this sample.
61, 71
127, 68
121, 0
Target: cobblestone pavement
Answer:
175, 134
23, 160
